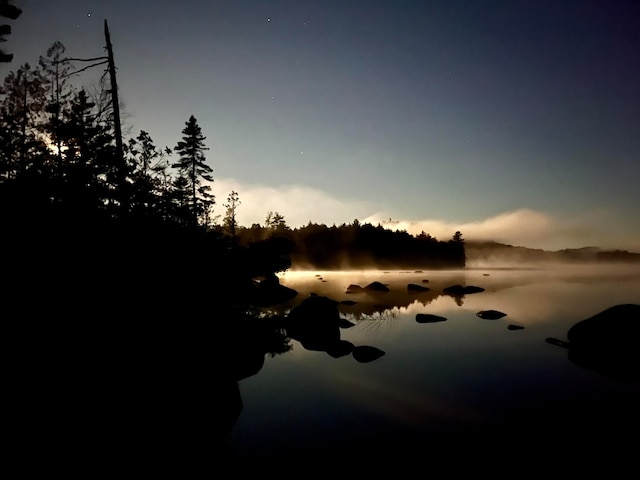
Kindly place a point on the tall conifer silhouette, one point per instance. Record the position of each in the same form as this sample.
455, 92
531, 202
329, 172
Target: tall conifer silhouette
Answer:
192, 166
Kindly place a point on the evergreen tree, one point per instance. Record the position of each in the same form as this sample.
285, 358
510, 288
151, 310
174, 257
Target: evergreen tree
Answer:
180, 199
275, 221
193, 168
151, 185
89, 168
230, 223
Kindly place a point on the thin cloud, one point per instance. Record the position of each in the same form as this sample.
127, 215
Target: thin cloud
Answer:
525, 227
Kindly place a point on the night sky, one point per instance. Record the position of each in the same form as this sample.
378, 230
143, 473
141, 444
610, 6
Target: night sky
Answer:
516, 121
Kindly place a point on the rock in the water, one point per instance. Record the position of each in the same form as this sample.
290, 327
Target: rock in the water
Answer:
607, 343
366, 353
491, 314
354, 288
429, 318
412, 287
340, 348
462, 290
377, 287
269, 293
514, 327
344, 323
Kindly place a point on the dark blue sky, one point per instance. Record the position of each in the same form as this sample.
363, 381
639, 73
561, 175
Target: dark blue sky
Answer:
513, 120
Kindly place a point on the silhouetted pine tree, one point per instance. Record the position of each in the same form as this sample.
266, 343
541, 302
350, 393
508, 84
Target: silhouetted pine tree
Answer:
88, 156
180, 196
193, 168
148, 176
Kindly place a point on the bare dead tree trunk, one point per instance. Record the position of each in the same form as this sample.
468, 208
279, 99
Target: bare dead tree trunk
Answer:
117, 127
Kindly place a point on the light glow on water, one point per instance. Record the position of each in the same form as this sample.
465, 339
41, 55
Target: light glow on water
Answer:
465, 374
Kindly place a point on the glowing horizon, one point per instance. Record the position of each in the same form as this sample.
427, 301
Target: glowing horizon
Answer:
520, 227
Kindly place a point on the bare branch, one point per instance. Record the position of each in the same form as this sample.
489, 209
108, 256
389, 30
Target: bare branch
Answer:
81, 59
86, 68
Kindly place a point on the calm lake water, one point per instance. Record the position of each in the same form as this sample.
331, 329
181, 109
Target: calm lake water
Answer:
460, 384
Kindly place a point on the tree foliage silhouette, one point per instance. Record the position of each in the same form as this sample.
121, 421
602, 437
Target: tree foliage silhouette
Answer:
230, 222
359, 245
23, 101
275, 221
56, 70
194, 170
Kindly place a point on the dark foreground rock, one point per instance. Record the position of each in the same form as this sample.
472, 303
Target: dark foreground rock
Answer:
608, 342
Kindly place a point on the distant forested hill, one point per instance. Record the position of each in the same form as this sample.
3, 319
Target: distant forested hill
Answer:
505, 254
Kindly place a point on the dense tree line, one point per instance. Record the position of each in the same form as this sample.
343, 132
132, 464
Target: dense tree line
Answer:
360, 245
368, 246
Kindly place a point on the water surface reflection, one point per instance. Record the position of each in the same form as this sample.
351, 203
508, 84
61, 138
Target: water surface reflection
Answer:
447, 384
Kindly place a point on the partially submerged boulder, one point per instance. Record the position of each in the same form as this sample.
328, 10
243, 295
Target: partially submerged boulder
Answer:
429, 318
462, 289
491, 314
315, 323
341, 348
266, 292
377, 287
353, 288
366, 353
344, 323
608, 342
415, 288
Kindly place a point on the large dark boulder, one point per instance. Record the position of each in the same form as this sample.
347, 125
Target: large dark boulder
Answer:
367, 353
377, 287
353, 288
608, 342
268, 292
315, 323
462, 289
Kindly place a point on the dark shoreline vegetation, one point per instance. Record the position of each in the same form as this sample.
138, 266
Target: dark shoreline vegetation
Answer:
129, 300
